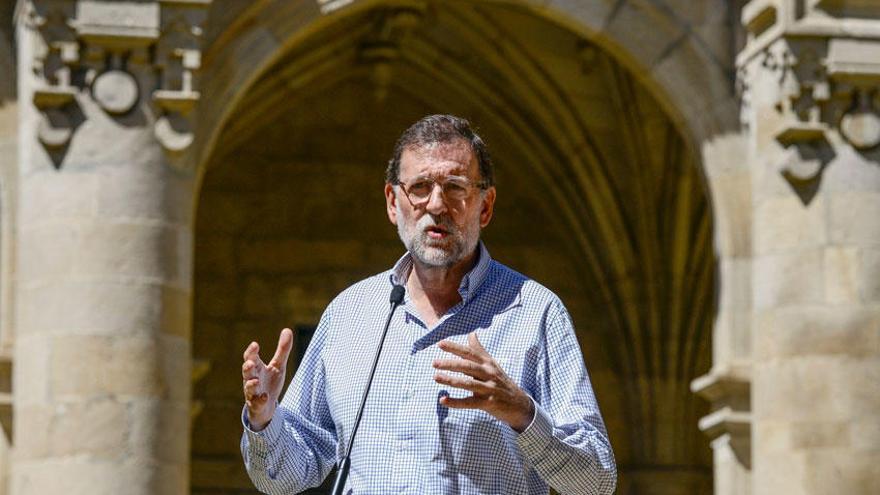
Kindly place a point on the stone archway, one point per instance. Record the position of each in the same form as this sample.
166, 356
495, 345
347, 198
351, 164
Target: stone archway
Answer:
589, 162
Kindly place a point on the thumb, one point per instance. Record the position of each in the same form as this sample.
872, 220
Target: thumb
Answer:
285, 344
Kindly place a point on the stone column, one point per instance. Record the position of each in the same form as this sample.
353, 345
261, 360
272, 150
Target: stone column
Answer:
812, 74
103, 273
727, 385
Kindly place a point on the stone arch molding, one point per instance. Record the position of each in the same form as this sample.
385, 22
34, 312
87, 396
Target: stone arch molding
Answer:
677, 66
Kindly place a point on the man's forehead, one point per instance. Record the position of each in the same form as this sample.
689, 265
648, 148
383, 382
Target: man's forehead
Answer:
453, 152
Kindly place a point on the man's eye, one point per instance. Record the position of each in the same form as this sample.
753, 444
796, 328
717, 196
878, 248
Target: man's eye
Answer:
420, 187
455, 187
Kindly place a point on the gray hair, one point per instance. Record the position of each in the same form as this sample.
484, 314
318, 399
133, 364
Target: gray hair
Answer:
435, 129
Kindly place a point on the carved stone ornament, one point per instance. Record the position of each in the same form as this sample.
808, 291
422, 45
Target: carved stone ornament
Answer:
116, 53
821, 82
861, 125
116, 91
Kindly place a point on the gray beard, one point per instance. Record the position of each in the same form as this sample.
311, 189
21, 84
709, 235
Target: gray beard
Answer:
416, 241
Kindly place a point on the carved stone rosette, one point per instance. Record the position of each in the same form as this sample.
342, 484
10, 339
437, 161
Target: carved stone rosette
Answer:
117, 54
820, 74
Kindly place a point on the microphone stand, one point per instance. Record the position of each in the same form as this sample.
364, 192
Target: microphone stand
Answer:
342, 474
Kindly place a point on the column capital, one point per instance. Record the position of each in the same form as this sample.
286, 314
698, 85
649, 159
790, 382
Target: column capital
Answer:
117, 54
810, 70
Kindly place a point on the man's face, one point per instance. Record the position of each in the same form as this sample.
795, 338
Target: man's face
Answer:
443, 231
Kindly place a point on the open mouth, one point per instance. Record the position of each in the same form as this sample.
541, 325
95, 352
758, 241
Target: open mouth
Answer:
436, 232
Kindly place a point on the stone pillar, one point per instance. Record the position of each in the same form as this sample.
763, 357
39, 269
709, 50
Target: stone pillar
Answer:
811, 72
727, 385
103, 273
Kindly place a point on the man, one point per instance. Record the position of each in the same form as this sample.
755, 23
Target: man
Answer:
481, 385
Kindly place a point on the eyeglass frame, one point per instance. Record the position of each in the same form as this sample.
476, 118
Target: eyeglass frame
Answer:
481, 185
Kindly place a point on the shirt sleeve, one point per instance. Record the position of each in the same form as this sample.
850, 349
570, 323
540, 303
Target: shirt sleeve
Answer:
297, 449
567, 442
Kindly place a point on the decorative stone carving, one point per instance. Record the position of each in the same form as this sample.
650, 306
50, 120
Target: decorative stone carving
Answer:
117, 53
861, 125
819, 85
116, 91
384, 47
728, 390
55, 52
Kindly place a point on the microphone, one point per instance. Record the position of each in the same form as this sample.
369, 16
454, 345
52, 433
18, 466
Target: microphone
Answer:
341, 475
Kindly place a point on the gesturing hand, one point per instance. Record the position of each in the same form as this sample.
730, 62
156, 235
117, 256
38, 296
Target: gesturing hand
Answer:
493, 391
263, 382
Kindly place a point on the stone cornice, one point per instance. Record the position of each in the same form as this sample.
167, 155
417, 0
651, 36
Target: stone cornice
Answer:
114, 53
820, 71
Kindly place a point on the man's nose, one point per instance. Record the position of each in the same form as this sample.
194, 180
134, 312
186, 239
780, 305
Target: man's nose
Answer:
436, 201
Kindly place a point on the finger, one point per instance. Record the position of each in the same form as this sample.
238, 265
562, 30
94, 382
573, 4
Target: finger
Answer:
285, 343
469, 368
252, 389
249, 370
475, 344
463, 383
459, 350
252, 352
465, 403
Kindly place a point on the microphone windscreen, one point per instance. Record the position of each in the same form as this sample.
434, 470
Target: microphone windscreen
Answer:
397, 294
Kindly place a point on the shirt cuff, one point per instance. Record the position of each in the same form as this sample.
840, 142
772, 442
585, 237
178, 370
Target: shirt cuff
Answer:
532, 439
266, 437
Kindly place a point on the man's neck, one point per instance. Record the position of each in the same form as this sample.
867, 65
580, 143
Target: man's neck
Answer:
435, 289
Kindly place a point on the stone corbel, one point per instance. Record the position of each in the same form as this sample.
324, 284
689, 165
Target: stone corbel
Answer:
114, 52
178, 57
56, 53
826, 82
728, 391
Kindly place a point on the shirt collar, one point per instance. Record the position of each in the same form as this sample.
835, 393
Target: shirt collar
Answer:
471, 281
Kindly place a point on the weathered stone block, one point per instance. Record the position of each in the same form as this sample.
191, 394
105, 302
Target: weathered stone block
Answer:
98, 477
819, 435
853, 218
816, 330
796, 390
35, 422
158, 429
780, 472
645, 31
127, 249
89, 307
52, 251
92, 366
869, 273
842, 268
97, 428
789, 279
29, 372
176, 355
57, 196
143, 193
785, 223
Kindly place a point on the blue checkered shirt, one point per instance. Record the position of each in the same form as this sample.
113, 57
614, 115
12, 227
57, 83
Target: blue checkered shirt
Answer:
407, 442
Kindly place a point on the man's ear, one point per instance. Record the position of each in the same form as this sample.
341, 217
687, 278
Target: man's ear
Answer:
488, 207
391, 203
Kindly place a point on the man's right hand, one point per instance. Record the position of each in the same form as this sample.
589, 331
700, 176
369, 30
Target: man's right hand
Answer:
263, 382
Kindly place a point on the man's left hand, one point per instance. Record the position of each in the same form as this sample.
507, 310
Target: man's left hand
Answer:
493, 391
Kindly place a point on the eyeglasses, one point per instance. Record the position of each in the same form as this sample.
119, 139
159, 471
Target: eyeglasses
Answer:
453, 188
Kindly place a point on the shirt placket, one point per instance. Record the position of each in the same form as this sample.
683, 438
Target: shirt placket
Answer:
403, 471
